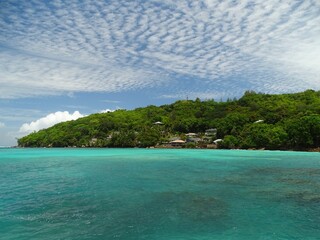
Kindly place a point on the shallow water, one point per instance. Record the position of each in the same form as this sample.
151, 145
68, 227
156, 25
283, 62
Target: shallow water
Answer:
158, 194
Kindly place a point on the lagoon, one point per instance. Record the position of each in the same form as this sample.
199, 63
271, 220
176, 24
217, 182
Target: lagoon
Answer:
158, 194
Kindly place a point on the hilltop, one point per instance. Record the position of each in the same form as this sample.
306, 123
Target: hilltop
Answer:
256, 120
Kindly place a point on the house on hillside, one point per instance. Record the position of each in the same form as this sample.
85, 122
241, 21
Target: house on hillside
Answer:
211, 132
217, 141
193, 137
177, 143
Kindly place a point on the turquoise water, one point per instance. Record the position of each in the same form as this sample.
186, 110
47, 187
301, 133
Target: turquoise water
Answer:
158, 194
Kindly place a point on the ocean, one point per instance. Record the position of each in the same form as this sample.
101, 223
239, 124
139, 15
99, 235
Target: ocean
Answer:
160, 194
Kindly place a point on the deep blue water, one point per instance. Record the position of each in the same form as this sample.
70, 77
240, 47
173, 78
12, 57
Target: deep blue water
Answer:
158, 194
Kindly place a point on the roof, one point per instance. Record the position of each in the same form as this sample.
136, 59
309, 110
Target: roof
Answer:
211, 130
218, 140
259, 121
191, 134
178, 141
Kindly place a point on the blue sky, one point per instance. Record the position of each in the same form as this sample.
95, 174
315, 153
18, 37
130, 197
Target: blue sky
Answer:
61, 60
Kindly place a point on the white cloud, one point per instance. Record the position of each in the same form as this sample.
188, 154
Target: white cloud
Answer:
23, 75
49, 120
2, 125
125, 45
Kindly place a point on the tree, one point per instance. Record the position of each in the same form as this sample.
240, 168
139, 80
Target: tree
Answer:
123, 139
290, 121
229, 142
263, 135
148, 137
304, 132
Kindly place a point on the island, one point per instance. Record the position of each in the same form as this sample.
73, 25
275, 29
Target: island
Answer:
254, 121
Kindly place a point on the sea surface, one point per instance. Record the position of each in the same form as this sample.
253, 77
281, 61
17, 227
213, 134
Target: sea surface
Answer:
134, 194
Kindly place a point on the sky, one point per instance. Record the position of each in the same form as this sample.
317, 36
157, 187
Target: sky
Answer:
65, 59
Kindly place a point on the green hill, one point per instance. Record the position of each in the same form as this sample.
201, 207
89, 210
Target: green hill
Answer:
287, 121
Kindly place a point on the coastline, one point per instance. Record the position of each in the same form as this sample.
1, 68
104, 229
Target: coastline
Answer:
172, 147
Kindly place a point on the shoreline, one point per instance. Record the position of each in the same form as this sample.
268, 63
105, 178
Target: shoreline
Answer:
170, 147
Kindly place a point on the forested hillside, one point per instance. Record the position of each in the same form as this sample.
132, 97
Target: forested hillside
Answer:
256, 120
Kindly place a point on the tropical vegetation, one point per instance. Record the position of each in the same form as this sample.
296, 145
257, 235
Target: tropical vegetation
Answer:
256, 120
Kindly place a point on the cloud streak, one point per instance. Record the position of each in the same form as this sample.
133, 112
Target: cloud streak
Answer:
111, 46
22, 74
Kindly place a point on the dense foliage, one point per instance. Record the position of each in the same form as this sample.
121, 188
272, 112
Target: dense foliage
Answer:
256, 120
